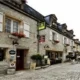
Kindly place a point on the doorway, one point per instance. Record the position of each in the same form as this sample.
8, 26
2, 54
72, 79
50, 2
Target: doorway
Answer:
20, 59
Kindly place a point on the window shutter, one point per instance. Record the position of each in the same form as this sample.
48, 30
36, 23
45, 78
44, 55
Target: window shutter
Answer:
1, 21
56, 37
50, 38
68, 41
20, 30
63, 40
26, 30
71, 43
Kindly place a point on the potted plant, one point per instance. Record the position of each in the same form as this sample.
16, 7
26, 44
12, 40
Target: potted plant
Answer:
37, 58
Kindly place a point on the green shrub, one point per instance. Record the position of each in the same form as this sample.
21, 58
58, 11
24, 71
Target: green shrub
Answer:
36, 57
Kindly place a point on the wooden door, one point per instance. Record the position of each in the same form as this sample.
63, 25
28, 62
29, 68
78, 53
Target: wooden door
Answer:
20, 60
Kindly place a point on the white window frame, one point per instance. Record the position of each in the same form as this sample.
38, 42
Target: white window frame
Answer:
1, 21
11, 30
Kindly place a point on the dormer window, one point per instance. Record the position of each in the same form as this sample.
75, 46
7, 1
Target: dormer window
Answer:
54, 24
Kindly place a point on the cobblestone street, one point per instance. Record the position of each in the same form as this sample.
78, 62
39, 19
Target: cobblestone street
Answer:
65, 71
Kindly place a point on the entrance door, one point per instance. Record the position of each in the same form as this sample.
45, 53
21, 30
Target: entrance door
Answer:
20, 60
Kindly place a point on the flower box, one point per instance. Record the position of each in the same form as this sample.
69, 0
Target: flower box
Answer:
67, 44
19, 35
56, 41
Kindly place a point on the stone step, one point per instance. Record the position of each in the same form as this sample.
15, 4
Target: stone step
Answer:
2, 72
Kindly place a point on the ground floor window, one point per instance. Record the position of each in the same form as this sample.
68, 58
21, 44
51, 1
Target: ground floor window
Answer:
54, 56
2, 54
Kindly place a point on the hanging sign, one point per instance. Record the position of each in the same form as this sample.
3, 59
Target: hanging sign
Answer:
41, 26
12, 52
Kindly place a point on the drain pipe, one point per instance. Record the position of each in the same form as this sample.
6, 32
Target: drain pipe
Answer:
38, 37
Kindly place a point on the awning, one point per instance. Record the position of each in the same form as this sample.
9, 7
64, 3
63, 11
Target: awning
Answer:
54, 50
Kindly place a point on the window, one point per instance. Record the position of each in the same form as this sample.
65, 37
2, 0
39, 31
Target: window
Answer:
42, 38
53, 36
8, 25
71, 43
64, 40
1, 21
15, 26
2, 55
60, 54
11, 25
56, 55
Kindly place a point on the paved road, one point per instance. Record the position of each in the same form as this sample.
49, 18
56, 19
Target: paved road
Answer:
65, 71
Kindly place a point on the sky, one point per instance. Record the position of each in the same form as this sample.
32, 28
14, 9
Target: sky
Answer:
67, 11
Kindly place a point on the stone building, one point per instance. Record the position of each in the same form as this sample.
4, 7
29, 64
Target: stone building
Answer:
18, 33
56, 40
77, 46
20, 36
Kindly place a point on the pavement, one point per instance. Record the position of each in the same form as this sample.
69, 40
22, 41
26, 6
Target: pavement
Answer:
63, 71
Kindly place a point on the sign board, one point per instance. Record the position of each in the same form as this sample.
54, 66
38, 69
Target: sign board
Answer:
12, 52
41, 26
12, 65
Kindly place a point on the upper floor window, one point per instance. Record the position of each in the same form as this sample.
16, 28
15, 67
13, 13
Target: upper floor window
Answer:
11, 25
15, 26
65, 40
53, 36
8, 25
42, 38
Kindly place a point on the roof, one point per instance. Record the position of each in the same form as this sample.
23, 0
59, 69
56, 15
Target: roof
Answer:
27, 10
33, 12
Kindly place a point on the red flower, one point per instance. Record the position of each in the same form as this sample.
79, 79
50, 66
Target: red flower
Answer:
56, 41
67, 44
19, 35
15, 34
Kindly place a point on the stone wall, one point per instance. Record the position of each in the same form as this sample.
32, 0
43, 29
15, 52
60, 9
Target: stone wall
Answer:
29, 43
53, 46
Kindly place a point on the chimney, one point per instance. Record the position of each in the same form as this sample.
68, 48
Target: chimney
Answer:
23, 2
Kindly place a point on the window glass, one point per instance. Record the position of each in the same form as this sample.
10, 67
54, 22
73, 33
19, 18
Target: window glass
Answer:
8, 25
42, 38
11, 25
1, 55
53, 36
65, 39
15, 26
